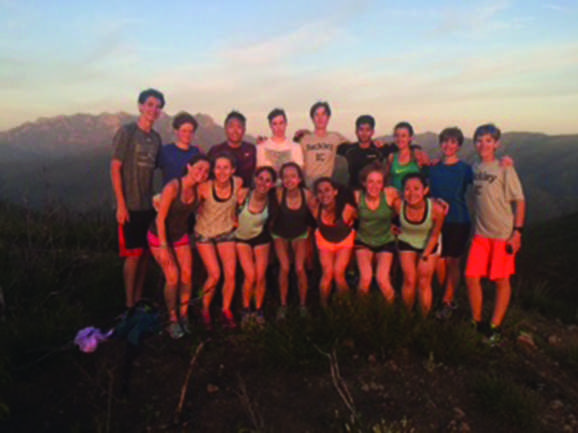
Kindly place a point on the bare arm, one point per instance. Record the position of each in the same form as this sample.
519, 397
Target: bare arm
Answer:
438, 218
349, 214
515, 239
122, 215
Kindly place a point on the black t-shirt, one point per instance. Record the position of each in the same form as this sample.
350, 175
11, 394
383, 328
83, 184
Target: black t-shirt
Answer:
358, 157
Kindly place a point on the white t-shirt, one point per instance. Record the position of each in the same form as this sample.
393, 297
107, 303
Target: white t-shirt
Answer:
276, 154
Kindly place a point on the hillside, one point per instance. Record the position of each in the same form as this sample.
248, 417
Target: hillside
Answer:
359, 367
65, 160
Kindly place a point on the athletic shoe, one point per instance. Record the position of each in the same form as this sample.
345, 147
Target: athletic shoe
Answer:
260, 318
246, 318
303, 312
495, 336
175, 331
185, 325
282, 313
446, 311
228, 319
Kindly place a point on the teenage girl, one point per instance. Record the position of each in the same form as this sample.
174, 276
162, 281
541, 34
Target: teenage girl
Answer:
215, 233
403, 161
421, 221
169, 241
254, 240
290, 232
334, 236
375, 242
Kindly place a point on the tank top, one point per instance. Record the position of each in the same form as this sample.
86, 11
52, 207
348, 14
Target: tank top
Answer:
291, 223
217, 216
416, 233
177, 220
251, 224
336, 232
399, 171
375, 225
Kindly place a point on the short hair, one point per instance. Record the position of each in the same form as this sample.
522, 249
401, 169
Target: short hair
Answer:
145, 94
375, 166
267, 168
297, 168
452, 133
488, 128
318, 105
404, 125
183, 117
418, 176
276, 112
225, 155
194, 159
322, 180
365, 119
236, 115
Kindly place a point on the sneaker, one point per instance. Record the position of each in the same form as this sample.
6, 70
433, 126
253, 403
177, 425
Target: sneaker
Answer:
446, 311
175, 331
282, 313
228, 319
495, 336
185, 325
206, 319
303, 312
260, 318
246, 318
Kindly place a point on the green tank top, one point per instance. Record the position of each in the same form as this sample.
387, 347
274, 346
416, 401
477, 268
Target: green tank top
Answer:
416, 233
375, 225
399, 171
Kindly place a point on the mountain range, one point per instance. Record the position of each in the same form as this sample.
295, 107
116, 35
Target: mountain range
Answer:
65, 160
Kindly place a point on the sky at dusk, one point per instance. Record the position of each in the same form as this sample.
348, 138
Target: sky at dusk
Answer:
433, 63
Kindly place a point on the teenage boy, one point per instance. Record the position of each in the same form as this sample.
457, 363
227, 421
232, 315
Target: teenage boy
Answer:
499, 209
278, 149
320, 147
136, 147
449, 181
244, 153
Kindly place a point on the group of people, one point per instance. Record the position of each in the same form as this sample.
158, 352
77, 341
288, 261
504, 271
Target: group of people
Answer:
237, 201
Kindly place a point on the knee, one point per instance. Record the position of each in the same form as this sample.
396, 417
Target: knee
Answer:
300, 268
171, 275
213, 276
249, 278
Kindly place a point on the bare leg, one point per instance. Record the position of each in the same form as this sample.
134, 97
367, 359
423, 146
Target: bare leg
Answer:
129, 273
365, 265
408, 266
326, 258
342, 259
208, 254
300, 248
503, 294
229, 261
384, 261
441, 271
453, 278
185, 260
261, 262
476, 298
282, 250
425, 271
245, 254
170, 269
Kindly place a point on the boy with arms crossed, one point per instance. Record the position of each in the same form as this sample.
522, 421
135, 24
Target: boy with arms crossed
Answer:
136, 147
499, 209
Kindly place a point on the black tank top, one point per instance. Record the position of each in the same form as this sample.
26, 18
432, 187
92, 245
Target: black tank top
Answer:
291, 223
177, 220
333, 233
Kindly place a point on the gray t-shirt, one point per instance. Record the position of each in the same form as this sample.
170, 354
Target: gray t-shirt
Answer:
494, 189
319, 155
138, 151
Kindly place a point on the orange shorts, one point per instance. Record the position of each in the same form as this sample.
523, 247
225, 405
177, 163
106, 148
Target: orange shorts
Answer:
488, 258
325, 245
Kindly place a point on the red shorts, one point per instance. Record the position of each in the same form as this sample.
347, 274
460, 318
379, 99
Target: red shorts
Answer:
488, 258
325, 245
154, 241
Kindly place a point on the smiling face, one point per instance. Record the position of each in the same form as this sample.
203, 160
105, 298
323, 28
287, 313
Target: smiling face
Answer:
278, 126
150, 109
450, 147
320, 119
364, 133
263, 182
199, 171
326, 193
185, 134
486, 145
402, 138
374, 184
414, 191
235, 130
290, 178
223, 170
